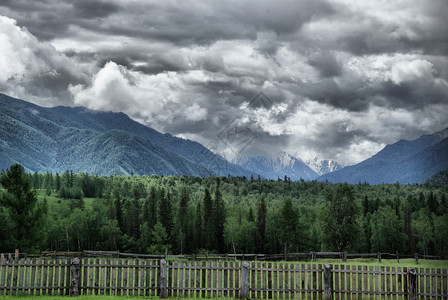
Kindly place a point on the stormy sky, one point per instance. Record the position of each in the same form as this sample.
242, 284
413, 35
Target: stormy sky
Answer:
340, 79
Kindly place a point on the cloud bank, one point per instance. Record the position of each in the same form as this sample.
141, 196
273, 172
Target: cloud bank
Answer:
345, 78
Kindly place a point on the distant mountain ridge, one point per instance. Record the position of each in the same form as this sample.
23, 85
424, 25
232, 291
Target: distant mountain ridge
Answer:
404, 162
75, 138
278, 166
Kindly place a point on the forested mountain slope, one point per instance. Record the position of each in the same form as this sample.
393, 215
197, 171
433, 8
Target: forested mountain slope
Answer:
404, 162
60, 138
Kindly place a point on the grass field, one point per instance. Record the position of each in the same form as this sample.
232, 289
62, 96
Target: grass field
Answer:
406, 262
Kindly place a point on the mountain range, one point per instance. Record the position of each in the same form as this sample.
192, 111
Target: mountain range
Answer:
75, 138
404, 162
106, 143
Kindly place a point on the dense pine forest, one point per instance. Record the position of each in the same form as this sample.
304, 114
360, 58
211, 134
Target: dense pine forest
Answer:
187, 214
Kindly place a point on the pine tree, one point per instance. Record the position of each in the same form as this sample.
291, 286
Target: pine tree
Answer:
219, 218
57, 182
25, 213
119, 212
431, 202
182, 222
261, 225
152, 202
166, 213
365, 205
339, 219
209, 225
198, 228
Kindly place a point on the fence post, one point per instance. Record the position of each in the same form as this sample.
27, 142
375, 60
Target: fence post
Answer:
379, 256
416, 258
16, 254
398, 257
75, 270
412, 284
344, 256
162, 279
244, 293
328, 282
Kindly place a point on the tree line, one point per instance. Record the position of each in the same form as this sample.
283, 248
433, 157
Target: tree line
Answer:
188, 214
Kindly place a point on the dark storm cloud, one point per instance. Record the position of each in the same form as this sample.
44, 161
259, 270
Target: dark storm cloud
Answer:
190, 67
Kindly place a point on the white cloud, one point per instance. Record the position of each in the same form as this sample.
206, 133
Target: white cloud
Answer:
31, 69
418, 69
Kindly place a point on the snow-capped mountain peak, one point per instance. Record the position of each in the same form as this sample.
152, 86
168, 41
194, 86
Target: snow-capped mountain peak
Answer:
323, 166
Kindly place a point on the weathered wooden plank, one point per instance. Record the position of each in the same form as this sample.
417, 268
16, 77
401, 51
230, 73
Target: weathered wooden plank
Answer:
44, 276
154, 279
226, 279
399, 283
433, 282
231, 279
343, 289
192, 278
91, 276
237, 277
269, 273
388, 287
15, 276
291, 281
371, 283
136, 276
38, 275
275, 280
62, 276
125, 277
359, 276
108, 279
365, 286
319, 280
252, 284
131, 275
281, 280
336, 281
304, 281
9, 280
204, 278
354, 283
97, 276
32, 284
219, 294
3, 276
383, 283
50, 277
56, 277
148, 277
428, 284
198, 279
394, 283
298, 279
209, 281
114, 277
67, 277
259, 280
347, 283
174, 275
445, 284
439, 284
215, 278
21, 270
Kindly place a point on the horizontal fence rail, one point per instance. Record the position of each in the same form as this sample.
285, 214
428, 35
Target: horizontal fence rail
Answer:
216, 279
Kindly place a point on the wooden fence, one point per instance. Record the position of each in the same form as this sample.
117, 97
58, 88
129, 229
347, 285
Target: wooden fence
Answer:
262, 280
